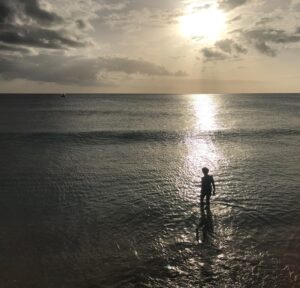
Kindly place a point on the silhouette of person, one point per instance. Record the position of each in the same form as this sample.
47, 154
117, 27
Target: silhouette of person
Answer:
207, 186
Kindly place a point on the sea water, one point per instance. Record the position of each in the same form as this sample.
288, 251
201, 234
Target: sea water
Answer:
103, 191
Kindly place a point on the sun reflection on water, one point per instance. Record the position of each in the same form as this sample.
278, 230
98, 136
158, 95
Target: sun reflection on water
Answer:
202, 150
205, 110
200, 144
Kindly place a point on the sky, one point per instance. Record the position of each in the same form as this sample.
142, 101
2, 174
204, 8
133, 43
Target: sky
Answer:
149, 46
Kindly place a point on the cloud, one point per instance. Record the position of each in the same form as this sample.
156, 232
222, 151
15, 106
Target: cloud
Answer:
266, 20
138, 5
272, 35
180, 73
231, 4
48, 69
296, 7
262, 38
265, 49
32, 30
131, 66
81, 24
134, 15
222, 50
39, 37
4, 47
25, 11
235, 19
33, 10
74, 70
266, 40
211, 54
230, 47
26, 23
5, 12
202, 7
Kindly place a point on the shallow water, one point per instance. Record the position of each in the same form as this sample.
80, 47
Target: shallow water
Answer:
103, 191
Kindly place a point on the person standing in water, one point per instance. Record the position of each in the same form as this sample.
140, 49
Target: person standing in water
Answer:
207, 186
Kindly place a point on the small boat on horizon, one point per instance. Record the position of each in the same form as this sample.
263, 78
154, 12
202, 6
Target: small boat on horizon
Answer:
63, 95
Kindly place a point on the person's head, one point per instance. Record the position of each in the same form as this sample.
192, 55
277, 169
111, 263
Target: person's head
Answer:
205, 170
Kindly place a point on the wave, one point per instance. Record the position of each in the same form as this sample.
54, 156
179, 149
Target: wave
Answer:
273, 132
135, 136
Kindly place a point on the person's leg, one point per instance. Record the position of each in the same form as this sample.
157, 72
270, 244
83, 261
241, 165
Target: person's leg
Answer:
208, 199
202, 195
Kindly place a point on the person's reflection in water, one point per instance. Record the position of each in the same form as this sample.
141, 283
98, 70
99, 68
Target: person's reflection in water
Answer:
205, 236
206, 225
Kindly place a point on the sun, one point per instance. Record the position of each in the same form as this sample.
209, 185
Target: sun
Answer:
207, 24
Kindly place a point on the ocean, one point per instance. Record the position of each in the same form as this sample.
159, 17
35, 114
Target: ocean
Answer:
103, 191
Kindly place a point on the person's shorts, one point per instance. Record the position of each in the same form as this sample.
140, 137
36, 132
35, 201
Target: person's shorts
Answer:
206, 193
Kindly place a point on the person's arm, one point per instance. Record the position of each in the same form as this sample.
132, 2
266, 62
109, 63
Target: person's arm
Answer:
202, 184
213, 185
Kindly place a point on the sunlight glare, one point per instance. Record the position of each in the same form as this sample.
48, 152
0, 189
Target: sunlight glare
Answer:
201, 149
204, 24
204, 107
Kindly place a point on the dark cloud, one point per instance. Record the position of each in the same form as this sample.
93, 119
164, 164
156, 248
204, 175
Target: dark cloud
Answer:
266, 20
180, 73
26, 10
231, 4
72, 70
48, 69
38, 37
211, 54
265, 49
273, 35
202, 7
81, 24
130, 66
25, 23
236, 18
230, 47
266, 40
225, 45
4, 47
224, 49
5, 12
33, 10
263, 38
